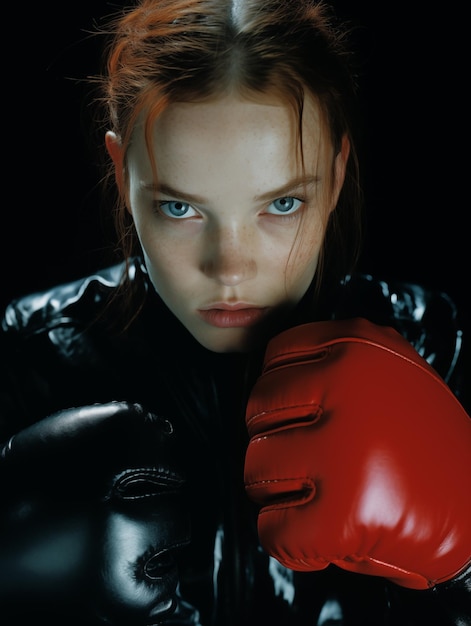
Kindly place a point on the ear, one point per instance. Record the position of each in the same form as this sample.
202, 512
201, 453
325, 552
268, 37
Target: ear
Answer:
340, 168
115, 150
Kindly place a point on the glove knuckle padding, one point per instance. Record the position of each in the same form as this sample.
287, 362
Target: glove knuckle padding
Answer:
95, 510
374, 475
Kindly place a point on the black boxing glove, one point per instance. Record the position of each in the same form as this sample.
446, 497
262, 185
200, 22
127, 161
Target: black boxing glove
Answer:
93, 513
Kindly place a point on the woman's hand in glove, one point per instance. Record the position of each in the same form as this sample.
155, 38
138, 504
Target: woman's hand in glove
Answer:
359, 456
93, 513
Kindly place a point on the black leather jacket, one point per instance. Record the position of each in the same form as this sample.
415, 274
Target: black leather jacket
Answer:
60, 349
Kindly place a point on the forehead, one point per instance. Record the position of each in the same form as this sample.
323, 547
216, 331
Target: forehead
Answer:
224, 112
254, 132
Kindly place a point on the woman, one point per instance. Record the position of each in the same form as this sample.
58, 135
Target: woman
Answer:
144, 399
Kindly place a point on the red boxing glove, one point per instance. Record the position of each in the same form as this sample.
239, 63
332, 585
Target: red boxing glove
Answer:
359, 456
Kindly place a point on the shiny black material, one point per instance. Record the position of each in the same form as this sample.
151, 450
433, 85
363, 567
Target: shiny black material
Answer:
61, 349
93, 515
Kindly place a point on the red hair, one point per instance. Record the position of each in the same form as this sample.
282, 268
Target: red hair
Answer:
163, 51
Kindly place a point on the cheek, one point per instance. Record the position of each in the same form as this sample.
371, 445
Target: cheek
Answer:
160, 263
158, 255
299, 278
170, 269
154, 243
304, 257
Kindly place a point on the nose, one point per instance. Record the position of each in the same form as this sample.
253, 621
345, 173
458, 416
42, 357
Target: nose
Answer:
229, 255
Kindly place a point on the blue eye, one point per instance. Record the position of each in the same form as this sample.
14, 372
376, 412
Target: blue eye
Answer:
284, 205
176, 209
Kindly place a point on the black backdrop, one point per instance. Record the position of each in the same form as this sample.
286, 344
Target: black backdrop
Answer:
414, 71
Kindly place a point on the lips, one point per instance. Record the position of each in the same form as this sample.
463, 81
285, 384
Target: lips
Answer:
236, 316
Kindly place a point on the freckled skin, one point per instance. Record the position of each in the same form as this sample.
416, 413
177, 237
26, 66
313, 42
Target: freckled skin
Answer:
212, 231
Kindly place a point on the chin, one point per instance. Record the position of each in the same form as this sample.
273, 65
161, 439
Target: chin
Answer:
227, 342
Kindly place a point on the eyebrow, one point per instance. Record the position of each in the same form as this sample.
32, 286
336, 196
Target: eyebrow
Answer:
285, 190
290, 187
174, 193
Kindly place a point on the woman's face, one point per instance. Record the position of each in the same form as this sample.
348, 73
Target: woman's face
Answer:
231, 231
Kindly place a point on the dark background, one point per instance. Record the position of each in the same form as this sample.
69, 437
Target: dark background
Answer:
414, 69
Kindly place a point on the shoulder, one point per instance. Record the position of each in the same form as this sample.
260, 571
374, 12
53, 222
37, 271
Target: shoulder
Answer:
429, 319
56, 349
70, 304
72, 324
409, 306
